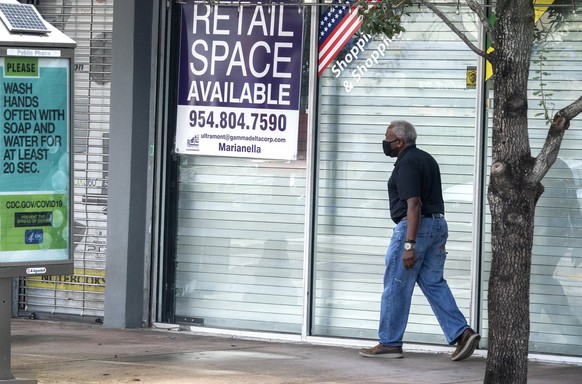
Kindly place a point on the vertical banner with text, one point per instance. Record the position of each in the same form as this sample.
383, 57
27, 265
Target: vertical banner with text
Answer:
34, 186
239, 81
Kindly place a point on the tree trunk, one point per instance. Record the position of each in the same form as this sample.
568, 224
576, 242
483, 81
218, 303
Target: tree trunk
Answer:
511, 198
515, 184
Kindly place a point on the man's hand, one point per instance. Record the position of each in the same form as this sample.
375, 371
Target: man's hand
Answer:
409, 259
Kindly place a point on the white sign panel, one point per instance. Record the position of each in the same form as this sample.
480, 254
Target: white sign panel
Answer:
239, 81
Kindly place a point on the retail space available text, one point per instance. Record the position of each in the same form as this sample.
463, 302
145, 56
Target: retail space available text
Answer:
250, 46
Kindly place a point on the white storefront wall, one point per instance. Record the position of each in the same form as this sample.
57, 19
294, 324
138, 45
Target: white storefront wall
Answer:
296, 248
242, 261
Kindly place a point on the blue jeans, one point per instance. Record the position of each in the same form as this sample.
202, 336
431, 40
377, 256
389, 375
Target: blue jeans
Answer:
428, 273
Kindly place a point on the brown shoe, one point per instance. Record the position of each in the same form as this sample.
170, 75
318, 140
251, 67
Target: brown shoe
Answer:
382, 351
468, 341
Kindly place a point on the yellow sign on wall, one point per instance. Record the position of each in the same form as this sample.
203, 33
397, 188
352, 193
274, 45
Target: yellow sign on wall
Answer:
92, 280
471, 77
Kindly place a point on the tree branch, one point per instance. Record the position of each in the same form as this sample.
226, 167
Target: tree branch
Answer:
478, 9
547, 156
454, 28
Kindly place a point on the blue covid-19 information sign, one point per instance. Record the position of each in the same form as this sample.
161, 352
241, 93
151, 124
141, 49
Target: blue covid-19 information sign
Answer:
34, 159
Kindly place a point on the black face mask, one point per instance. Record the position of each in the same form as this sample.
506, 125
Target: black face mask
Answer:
388, 150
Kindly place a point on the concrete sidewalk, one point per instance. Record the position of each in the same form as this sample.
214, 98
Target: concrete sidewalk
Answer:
64, 352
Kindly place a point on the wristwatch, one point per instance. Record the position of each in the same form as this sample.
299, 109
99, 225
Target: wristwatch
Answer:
409, 244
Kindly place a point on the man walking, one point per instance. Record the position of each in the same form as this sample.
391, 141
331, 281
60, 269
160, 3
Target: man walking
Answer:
417, 252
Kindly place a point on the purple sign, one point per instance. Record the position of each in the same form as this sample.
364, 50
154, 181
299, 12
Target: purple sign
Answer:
240, 75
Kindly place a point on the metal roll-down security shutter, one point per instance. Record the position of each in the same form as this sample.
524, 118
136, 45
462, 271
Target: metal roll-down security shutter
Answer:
89, 23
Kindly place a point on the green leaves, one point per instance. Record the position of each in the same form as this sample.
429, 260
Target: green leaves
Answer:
382, 16
544, 95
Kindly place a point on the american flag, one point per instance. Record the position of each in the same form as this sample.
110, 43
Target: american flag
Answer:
337, 25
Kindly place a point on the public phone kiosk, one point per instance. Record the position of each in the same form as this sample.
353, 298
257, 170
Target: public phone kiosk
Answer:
36, 77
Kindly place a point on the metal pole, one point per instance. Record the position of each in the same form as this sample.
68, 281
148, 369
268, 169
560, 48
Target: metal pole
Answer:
5, 314
5, 318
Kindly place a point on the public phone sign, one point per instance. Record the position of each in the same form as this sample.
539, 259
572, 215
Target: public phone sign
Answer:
239, 80
35, 189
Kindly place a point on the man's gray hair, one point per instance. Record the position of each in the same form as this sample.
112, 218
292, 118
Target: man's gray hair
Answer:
404, 130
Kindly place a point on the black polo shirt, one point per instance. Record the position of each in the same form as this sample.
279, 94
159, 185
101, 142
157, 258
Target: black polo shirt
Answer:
416, 173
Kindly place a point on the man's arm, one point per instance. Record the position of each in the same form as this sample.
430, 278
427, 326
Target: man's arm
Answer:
413, 222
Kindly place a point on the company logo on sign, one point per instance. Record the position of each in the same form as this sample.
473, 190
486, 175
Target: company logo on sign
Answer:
33, 236
35, 270
193, 143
